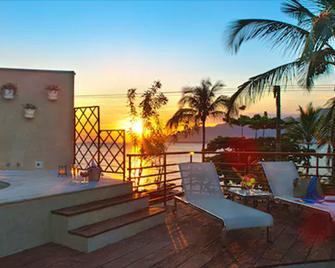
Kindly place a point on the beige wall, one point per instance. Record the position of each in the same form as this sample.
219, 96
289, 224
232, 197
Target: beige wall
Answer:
49, 136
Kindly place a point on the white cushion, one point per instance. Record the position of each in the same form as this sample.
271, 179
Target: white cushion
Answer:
233, 214
202, 190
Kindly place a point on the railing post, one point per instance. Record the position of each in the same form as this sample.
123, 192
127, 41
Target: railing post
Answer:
164, 177
317, 166
99, 138
129, 167
124, 154
191, 157
277, 91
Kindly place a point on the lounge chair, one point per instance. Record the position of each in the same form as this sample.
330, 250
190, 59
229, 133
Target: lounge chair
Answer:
280, 176
202, 191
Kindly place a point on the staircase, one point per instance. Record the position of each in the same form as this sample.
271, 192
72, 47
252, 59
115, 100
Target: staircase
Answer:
90, 226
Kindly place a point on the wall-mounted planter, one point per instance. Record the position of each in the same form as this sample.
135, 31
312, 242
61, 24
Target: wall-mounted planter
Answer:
29, 110
53, 92
8, 91
53, 95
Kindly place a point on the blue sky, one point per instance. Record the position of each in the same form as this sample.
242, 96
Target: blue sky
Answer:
113, 46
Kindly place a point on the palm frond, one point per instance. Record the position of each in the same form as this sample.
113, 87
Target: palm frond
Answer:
328, 118
189, 98
281, 34
296, 10
220, 102
316, 63
182, 116
324, 4
219, 85
256, 86
217, 114
305, 128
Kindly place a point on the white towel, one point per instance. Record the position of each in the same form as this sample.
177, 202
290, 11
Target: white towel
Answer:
330, 198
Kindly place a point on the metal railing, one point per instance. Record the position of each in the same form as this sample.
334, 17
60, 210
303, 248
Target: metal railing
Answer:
158, 175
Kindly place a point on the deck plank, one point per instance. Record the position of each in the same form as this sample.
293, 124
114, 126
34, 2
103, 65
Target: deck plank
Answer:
191, 239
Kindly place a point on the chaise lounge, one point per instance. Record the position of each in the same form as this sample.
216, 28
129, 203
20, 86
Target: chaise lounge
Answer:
280, 176
203, 192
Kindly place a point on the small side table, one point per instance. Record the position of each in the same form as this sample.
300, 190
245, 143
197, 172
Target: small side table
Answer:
253, 194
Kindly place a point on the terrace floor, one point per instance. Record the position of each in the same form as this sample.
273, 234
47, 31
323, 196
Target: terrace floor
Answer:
191, 239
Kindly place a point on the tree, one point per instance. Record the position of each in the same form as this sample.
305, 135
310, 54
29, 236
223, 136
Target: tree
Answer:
153, 138
265, 122
326, 135
305, 128
242, 121
256, 123
197, 105
230, 161
309, 42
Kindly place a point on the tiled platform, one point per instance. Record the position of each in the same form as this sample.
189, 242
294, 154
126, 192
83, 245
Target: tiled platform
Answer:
26, 185
190, 239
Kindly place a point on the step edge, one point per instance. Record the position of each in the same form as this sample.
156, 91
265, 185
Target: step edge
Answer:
130, 199
72, 232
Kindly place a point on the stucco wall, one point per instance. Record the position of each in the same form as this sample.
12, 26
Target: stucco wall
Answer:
49, 136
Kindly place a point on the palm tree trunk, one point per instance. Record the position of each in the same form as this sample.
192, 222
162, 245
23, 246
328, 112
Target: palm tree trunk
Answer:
308, 162
203, 135
203, 138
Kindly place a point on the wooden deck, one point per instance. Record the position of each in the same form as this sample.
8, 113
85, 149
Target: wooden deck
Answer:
190, 239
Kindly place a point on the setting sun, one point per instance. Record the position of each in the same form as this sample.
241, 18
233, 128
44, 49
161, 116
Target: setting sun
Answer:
137, 127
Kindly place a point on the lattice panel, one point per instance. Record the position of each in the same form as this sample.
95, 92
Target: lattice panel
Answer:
112, 151
86, 138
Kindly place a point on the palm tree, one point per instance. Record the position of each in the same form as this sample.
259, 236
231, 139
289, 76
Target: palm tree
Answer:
265, 122
197, 104
305, 128
327, 131
244, 120
309, 42
256, 124
236, 122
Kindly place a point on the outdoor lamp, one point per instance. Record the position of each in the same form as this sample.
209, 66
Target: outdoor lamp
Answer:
62, 171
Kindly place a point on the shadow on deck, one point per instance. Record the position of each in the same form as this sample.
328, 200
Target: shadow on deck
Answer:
190, 239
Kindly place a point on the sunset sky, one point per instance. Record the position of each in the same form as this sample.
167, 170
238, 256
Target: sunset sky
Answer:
113, 46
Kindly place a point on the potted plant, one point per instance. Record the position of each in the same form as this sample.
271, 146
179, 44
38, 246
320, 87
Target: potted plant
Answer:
29, 110
53, 92
8, 91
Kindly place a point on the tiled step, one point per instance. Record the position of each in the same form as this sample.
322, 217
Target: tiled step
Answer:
76, 216
95, 236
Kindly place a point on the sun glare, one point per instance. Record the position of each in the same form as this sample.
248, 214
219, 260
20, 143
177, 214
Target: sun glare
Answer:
137, 127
